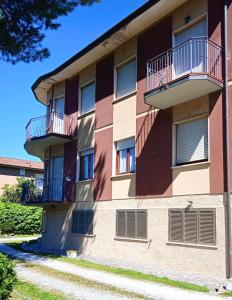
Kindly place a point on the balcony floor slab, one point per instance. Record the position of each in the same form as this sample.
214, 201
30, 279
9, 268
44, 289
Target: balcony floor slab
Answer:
181, 90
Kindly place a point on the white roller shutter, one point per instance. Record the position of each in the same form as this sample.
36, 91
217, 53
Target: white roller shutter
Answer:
192, 141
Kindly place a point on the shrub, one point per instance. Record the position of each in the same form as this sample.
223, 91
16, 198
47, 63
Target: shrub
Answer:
7, 277
19, 219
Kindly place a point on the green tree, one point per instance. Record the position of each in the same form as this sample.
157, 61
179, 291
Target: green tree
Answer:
7, 277
23, 24
13, 193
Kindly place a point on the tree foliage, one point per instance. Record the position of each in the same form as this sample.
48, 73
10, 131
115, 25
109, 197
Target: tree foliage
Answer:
13, 193
19, 219
23, 24
7, 277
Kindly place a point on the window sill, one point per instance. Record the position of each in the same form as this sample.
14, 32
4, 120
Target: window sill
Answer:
145, 241
203, 163
85, 235
121, 98
122, 176
86, 114
86, 180
212, 247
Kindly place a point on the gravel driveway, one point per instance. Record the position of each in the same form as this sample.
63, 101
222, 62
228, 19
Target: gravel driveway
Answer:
148, 289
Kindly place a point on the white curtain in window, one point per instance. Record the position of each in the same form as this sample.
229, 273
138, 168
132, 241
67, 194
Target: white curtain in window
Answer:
126, 78
123, 161
87, 98
192, 141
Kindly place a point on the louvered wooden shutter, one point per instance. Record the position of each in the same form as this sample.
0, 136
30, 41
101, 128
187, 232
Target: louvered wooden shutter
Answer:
190, 226
207, 227
121, 224
89, 222
75, 222
192, 141
142, 224
81, 222
130, 224
175, 225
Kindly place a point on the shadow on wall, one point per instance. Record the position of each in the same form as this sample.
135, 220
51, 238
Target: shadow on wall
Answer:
154, 153
86, 131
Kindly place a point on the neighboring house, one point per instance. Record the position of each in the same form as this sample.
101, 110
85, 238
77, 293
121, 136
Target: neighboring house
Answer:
134, 142
12, 168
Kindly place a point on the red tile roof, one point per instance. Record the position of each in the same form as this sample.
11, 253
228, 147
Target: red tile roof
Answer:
20, 163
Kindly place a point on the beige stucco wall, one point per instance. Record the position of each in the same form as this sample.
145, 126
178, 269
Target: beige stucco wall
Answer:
125, 51
156, 253
7, 179
85, 136
58, 90
123, 186
195, 178
56, 150
87, 74
84, 191
193, 8
124, 118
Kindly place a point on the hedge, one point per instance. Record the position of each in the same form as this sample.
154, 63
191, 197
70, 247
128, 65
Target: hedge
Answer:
7, 277
19, 219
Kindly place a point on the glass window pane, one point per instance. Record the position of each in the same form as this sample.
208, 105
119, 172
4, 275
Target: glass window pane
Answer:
87, 98
123, 161
132, 159
126, 78
86, 167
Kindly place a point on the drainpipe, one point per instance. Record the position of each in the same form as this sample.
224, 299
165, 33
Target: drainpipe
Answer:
227, 127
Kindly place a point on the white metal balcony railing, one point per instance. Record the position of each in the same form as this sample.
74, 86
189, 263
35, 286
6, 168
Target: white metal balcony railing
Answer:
51, 123
196, 56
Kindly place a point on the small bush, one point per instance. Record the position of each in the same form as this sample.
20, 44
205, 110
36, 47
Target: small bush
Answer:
19, 219
7, 277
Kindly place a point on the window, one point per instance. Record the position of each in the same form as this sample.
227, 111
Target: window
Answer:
87, 97
126, 78
131, 224
195, 226
82, 222
39, 181
86, 164
22, 172
125, 161
192, 141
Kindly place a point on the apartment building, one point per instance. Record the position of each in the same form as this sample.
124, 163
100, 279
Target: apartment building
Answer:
134, 141
12, 168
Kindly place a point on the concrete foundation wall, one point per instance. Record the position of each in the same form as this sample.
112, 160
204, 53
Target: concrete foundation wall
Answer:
155, 252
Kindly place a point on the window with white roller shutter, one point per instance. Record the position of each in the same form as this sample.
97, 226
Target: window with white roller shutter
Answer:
191, 141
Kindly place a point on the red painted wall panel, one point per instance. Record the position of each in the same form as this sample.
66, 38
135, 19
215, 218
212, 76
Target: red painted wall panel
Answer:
150, 44
216, 143
70, 166
71, 102
154, 154
102, 187
104, 91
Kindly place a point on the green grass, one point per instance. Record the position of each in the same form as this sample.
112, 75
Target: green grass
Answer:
122, 272
29, 291
64, 276
227, 294
19, 236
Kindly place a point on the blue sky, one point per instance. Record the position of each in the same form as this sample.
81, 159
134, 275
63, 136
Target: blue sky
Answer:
78, 29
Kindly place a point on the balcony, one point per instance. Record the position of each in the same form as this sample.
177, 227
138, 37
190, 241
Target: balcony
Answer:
188, 71
44, 131
50, 191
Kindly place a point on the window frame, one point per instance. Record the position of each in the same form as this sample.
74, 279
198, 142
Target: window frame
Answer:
92, 81
22, 172
127, 162
197, 210
85, 211
136, 216
122, 63
80, 163
174, 140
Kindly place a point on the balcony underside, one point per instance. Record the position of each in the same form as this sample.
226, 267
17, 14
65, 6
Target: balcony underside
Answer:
36, 146
48, 203
184, 89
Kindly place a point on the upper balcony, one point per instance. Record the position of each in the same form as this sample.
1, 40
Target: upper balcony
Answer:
188, 71
51, 129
